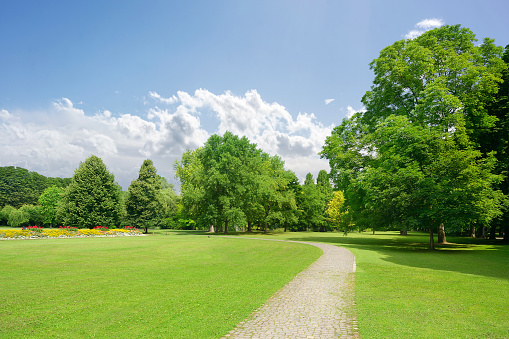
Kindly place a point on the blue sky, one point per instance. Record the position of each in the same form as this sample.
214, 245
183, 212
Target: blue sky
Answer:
129, 80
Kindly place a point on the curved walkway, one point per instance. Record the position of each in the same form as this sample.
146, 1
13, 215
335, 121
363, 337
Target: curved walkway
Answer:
317, 303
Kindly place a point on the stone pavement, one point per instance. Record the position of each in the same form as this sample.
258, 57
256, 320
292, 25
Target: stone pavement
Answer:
317, 303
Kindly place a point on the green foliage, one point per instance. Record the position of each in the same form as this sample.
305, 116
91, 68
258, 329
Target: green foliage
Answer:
4, 214
92, 199
20, 187
311, 204
49, 201
410, 159
230, 183
18, 217
336, 209
143, 203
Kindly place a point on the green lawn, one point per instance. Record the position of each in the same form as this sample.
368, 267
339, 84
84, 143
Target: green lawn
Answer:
158, 286
404, 290
191, 286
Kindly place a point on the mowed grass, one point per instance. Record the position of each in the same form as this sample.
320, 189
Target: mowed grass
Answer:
157, 286
403, 290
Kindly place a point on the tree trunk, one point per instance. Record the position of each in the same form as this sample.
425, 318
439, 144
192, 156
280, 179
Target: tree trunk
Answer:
472, 231
505, 222
211, 229
265, 227
483, 234
226, 226
249, 226
285, 227
373, 231
431, 239
493, 231
441, 234
403, 232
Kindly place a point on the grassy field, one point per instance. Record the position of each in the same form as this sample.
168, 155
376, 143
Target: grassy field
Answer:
158, 286
404, 290
191, 286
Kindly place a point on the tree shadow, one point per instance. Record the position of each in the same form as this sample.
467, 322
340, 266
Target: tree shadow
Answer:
464, 255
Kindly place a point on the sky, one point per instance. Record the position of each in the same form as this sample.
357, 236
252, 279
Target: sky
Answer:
131, 80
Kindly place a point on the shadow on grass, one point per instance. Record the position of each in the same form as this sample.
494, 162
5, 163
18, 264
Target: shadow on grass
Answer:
183, 232
465, 255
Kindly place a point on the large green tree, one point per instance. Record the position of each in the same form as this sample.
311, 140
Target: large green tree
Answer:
230, 183
497, 139
92, 198
143, 203
410, 157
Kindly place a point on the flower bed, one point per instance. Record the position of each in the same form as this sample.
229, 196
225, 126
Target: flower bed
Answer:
66, 232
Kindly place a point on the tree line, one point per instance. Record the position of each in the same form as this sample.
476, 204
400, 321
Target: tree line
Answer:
430, 152
19, 187
92, 198
230, 184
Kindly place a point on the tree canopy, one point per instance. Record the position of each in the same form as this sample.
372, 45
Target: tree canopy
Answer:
143, 204
92, 198
411, 158
229, 183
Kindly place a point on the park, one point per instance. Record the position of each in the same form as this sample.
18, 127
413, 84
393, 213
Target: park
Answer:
416, 197
186, 284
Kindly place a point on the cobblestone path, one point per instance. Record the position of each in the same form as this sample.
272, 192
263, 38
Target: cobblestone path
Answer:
317, 303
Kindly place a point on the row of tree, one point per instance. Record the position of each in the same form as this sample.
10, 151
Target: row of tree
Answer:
431, 149
231, 184
93, 198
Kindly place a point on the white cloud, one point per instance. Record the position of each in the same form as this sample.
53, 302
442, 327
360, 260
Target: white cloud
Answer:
168, 101
328, 101
351, 111
428, 24
5, 115
55, 141
423, 26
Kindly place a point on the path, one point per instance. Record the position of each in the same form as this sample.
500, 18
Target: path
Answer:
317, 303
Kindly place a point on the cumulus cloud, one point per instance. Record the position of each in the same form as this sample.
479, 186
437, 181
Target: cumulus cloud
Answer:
423, 26
328, 101
55, 141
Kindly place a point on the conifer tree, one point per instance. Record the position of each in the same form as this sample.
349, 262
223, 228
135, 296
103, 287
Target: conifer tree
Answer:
92, 198
143, 205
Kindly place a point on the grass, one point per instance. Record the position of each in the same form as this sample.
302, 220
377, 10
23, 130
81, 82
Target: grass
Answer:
404, 290
158, 286
183, 285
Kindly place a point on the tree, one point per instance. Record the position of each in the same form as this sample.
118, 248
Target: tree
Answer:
19, 217
311, 204
143, 205
324, 185
226, 178
230, 183
335, 209
410, 157
92, 199
277, 200
497, 139
4, 214
49, 201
